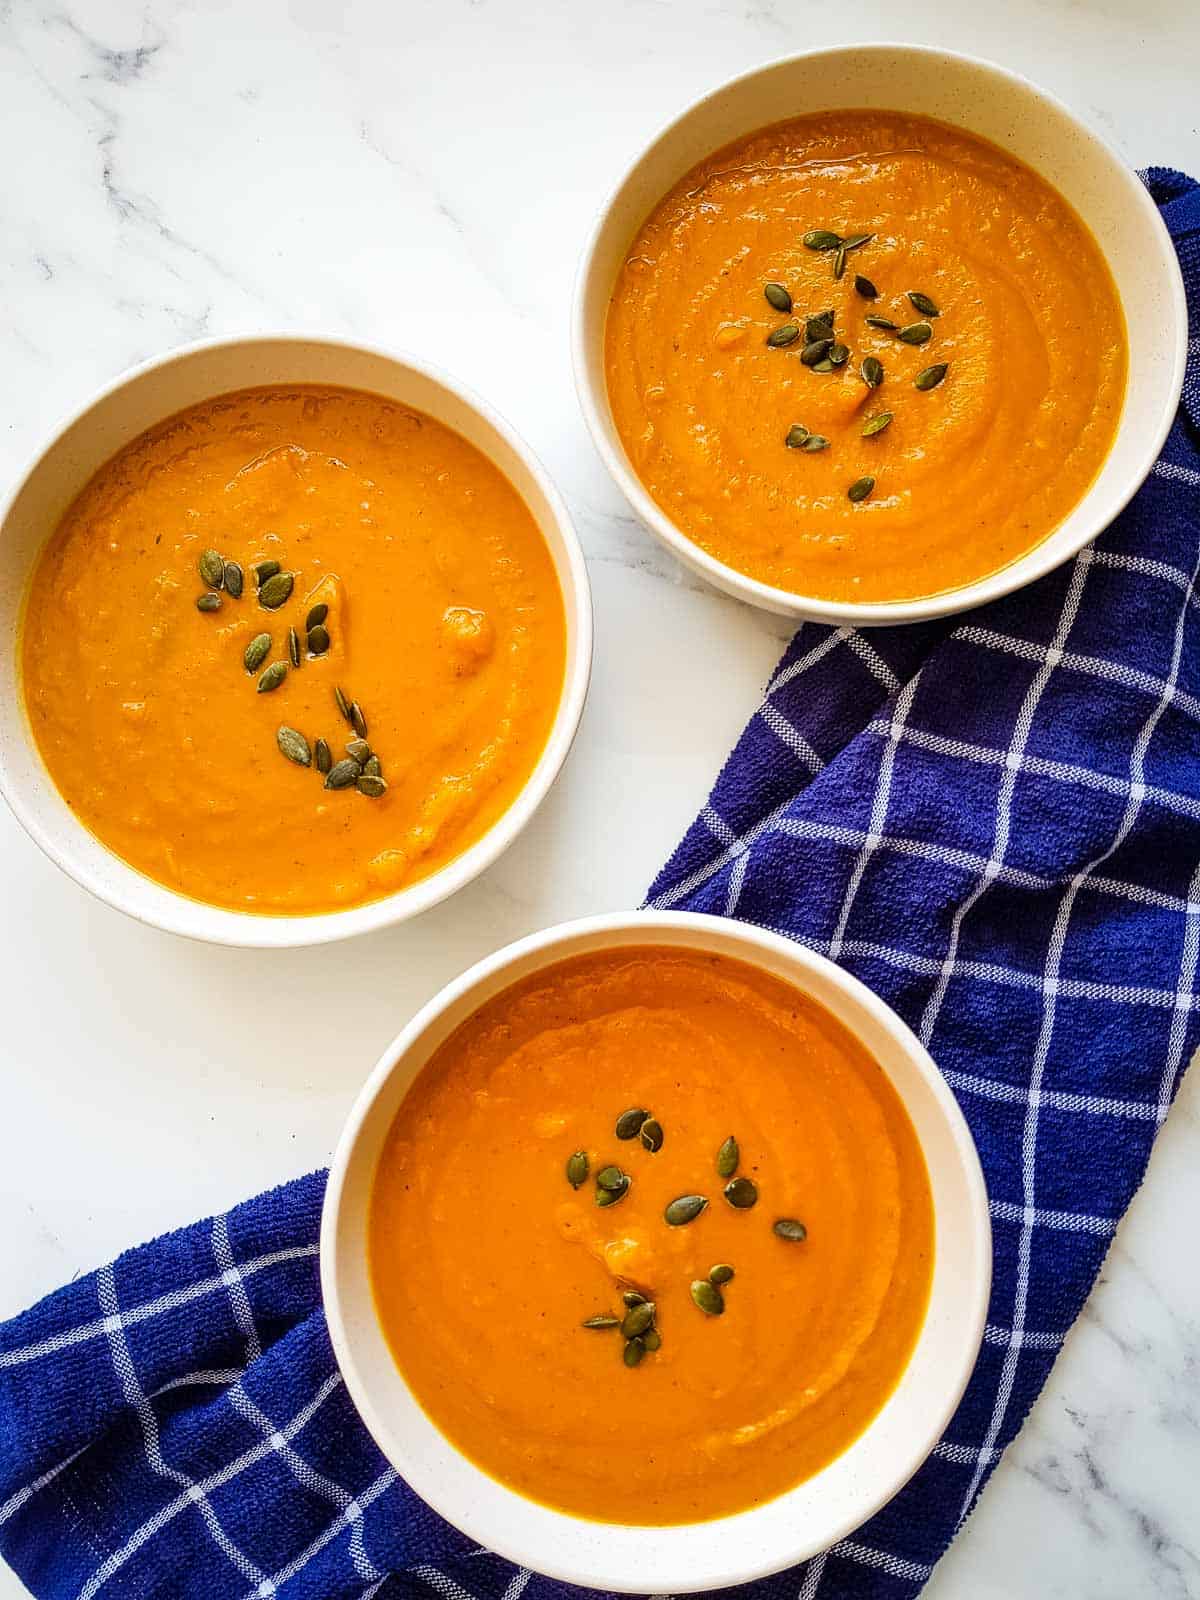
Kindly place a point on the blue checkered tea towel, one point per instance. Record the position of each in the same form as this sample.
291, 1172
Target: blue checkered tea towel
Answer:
995, 822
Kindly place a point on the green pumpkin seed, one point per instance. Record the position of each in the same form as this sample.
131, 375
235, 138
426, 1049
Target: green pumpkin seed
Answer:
824, 365
651, 1135
815, 441
629, 1123
272, 677
923, 304
777, 297
816, 350
358, 750
342, 775
855, 241
611, 1178
372, 767
635, 1349
720, 1274
609, 1197
577, 1170
602, 1321
819, 327
276, 590
322, 756
876, 424
294, 746
318, 640
256, 652
785, 335
932, 376
265, 570
632, 1297
708, 1297
742, 1193
916, 333
212, 568
342, 703
208, 602
872, 372
821, 239
357, 721
373, 788
788, 1228
727, 1158
796, 435
235, 579
316, 616
294, 646
839, 354
839, 262
652, 1340
885, 323
860, 489
637, 1319
865, 287
685, 1209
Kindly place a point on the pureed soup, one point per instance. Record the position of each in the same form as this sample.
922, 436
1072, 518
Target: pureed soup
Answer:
864, 356
293, 649
651, 1237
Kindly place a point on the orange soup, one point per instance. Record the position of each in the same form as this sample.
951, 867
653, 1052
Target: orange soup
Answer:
293, 649
651, 1237
864, 356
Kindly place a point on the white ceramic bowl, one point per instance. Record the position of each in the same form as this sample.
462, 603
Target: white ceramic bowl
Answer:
118, 414
1013, 114
702, 1555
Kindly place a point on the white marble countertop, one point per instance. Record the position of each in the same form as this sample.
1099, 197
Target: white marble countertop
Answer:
423, 172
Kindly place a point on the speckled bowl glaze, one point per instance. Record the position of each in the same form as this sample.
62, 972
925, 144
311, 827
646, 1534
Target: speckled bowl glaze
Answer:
138, 400
986, 100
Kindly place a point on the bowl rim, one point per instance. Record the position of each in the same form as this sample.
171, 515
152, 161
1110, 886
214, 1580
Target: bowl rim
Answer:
591, 388
266, 930
549, 945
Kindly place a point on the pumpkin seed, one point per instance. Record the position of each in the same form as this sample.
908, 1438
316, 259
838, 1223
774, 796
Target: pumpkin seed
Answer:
727, 1158
265, 570
815, 441
885, 323
322, 756
629, 1123
742, 1193
819, 327
651, 1135
839, 354
358, 750
212, 568
602, 1321
256, 652
637, 1319
916, 333
872, 372
860, 489
816, 350
235, 579
876, 424
276, 590
839, 262
635, 1349
652, 1340
272, 677
611, 1178
865, 287
632, 1297
932, 376
318, 640
796, 435
708, 1297
923, 304
577, 1171
788, 1228
821, 239
342, 774
787, 334
343, 704
294, 746
373, 788
372, 767
357, 721
855, 241
609, 1197
777, 297
720, 1274
316, 616
685, 1209
294, 646
825, 365
208, 602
